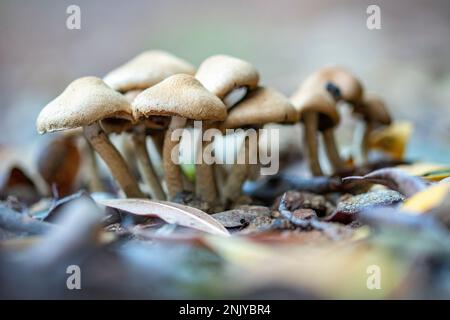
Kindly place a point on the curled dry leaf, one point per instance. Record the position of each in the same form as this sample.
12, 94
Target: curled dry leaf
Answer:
17, 184
170, 212
392, 178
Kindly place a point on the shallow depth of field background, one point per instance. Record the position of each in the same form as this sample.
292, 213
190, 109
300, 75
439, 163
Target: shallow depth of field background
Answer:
407, 61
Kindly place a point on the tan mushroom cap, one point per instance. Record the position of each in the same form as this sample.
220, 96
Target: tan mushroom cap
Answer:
83, 102
146, 70
319, 101
349, 85
261, 106
220, 74
375, 110
179, 95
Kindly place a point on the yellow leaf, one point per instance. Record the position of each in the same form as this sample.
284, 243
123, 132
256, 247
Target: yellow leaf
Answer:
422, 168
428, 199
393, 139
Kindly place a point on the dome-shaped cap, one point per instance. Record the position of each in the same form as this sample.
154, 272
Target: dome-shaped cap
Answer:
179, 95
262, 105
83, 102
319, 101
375, 110
350, 87
220, 74
146, 70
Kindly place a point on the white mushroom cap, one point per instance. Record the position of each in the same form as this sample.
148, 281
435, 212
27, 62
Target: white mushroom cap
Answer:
261, 106
146, 70
179, 95
83, 102
220, 74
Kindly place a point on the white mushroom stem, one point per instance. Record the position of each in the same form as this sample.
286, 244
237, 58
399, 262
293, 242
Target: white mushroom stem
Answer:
172, 170
145, 165
119, 168
205, 182
332, 151
235, 96
310, 120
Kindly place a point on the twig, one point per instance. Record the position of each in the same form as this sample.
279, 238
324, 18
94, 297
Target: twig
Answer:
14, 221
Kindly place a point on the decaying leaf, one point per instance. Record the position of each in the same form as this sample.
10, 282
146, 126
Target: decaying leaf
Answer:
394, 179
170, 212
428, 199
393, 139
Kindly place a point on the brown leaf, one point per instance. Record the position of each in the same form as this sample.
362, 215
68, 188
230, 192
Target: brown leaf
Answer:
17, 184
170, 212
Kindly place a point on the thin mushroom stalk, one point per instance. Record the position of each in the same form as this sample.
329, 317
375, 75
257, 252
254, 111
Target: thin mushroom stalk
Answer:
332, 151
240, 172
145, 165
310, 120
205, 186
95, 181
368, 129
119, 168
174, 176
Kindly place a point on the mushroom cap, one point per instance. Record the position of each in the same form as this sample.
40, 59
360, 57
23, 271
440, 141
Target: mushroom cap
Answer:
262, 105
179, 95
374, 110
319, 101
220, 74
147, 69
85, 101
349, 85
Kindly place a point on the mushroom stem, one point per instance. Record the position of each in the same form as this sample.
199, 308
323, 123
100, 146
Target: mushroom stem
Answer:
95, 182
205, 182
369, 127
332, 151
174, 176
238, 175
145, 165
119, 168
311, 120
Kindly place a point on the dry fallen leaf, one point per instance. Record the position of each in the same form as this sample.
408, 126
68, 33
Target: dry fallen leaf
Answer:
392, 140
170, 212
428, 199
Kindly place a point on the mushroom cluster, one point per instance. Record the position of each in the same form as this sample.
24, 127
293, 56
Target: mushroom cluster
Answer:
157, 93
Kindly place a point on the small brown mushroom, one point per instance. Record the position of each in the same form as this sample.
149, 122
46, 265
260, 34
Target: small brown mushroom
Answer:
350, 88
261, 106
140, 73
228, 77
318, 112
146, 70
375, 114
84, 103
180, 97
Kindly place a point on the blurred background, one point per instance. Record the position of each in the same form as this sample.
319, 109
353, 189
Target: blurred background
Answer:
407, 61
